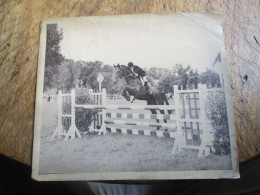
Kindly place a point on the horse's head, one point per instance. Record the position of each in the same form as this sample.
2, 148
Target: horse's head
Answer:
117, 73
123, 73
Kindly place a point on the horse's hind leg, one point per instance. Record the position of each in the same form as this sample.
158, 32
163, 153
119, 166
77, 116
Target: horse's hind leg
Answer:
153, 111
164, 120
162, 112
151, 101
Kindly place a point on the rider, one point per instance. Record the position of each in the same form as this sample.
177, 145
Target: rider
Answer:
140, 73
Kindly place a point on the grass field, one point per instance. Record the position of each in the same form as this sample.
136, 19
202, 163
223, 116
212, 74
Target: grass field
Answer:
115, 152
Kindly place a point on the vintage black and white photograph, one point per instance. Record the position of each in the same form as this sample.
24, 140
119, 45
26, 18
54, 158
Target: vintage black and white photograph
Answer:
134, 97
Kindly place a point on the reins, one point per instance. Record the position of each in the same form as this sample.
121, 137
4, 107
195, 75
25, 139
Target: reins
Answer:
129, 75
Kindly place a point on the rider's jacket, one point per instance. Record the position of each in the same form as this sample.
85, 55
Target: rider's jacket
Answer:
139, 71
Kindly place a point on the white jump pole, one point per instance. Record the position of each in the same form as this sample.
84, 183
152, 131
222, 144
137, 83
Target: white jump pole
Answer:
73, 130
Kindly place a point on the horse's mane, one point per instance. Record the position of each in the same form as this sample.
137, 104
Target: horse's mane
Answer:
125, 70
124, 66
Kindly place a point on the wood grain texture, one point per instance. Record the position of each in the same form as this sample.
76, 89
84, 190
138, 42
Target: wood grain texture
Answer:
19, 45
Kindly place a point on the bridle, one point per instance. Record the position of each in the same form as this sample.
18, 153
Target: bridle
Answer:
123, 73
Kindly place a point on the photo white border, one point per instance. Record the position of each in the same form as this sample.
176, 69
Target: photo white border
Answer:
157, 175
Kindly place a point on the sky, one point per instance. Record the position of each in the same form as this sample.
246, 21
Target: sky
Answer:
146, 40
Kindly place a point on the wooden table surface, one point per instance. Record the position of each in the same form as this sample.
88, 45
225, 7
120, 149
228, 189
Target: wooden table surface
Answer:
19, 47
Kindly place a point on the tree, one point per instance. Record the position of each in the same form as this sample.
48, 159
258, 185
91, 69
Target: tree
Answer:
54, 37
166, 82
53, 58
193, 79
182, 73
88, 73
178, 76
65, 76
209, 77
156, 73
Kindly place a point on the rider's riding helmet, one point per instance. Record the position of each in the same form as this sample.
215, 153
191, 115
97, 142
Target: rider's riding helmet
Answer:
130, 64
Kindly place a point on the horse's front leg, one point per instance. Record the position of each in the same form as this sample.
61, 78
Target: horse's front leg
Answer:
126, 94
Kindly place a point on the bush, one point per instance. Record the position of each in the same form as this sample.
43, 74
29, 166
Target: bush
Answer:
216, 111
84, 117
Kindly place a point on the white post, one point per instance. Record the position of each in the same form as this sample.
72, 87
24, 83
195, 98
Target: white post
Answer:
180, 138
92, 125
100, 79
59, 129
104, 102
73, 131
99, 86
205, 136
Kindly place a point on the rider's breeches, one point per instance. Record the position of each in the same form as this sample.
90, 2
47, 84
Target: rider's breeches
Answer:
143, 79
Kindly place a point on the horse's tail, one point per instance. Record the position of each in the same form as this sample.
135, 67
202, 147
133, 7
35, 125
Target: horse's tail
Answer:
167, 103
166, 100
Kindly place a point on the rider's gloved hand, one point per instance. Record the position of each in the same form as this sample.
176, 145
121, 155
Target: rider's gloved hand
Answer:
133, 76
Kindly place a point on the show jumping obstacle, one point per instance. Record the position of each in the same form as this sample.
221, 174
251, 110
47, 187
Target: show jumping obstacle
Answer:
73, 130
188, 124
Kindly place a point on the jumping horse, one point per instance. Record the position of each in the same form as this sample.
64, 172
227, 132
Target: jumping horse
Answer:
134, 87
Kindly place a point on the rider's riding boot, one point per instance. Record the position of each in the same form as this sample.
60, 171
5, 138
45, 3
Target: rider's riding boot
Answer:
132, 99
148, 87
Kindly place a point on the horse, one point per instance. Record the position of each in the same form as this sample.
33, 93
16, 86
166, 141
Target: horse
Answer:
134, 87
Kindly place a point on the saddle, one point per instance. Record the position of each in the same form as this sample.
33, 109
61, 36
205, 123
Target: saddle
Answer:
143, 92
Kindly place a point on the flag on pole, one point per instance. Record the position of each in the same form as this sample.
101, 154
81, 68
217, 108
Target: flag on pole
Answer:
218, 59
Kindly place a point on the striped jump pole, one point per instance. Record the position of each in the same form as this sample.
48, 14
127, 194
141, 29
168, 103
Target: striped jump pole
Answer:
141, 116
135, 131
140, 123
132, 107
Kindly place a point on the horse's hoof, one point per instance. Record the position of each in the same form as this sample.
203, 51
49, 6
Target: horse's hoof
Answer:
132, 99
